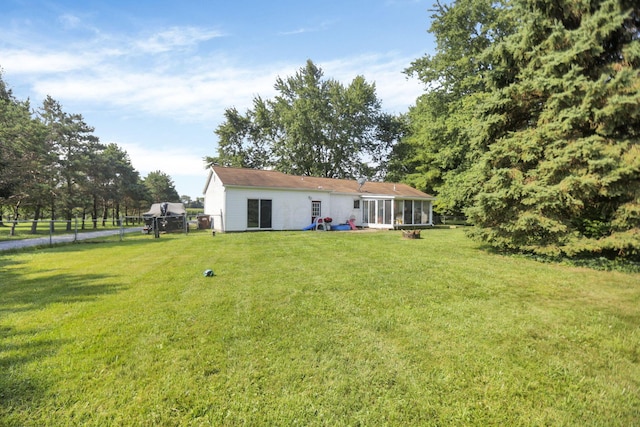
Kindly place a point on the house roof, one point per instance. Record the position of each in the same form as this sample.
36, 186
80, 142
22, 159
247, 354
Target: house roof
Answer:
236, 177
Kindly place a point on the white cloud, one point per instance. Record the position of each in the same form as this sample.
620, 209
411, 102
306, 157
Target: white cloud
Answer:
43, 62
75, 22
196, 85
298, 31
203, 93
392, 87
174, 162
322, 26
176, 37
187, 170
184, 74
184, 95
70, 21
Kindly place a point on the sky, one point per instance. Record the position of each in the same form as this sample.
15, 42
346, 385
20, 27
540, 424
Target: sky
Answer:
155, 76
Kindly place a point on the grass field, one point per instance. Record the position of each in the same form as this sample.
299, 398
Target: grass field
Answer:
313, 328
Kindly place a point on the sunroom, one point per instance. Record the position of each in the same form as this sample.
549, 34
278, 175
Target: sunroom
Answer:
396, 213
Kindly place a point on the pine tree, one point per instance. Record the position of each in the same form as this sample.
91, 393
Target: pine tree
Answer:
71, 140
561, 171
161, 187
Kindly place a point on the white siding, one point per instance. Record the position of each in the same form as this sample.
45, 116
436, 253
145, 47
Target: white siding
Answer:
214, 202
342, 208
291, 209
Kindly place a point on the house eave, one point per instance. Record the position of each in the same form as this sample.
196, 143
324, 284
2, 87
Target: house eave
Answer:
324, 190
394, 196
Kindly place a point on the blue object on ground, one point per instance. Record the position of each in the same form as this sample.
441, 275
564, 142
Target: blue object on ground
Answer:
341, 227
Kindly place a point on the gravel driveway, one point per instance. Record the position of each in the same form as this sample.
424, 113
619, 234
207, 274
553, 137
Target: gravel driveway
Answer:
65, 238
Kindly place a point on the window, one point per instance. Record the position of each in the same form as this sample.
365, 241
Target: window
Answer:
425, 212
372, 211
408, 212
253, 213
398, 212
417, 212
380, 218
387, 211
398, 206
376, 211
316, 209
258, 213
356, 204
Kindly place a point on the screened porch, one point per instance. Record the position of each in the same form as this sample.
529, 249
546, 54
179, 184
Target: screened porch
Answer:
396, 213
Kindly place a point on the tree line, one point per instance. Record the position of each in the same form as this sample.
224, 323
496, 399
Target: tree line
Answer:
529, 125
53, 166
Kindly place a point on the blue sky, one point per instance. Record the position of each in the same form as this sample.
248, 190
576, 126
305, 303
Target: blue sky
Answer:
155, 76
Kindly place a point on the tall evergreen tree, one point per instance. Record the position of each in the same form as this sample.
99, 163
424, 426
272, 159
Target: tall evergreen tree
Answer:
161, 187
72, 141
13, 117
23, 154
111, 180
561, 173
50, 160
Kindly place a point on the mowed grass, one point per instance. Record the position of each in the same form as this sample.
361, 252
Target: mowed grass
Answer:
313, 328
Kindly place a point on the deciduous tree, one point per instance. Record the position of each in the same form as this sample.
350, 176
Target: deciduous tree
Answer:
438, 152
313, 126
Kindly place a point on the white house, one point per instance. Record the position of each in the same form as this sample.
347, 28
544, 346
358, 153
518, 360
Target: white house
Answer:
249, 199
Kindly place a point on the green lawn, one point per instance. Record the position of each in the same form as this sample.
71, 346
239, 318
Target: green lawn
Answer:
313, 328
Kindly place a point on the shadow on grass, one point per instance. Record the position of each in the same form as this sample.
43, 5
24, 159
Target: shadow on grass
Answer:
19, 390
630, 265
24, 348
19, 294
